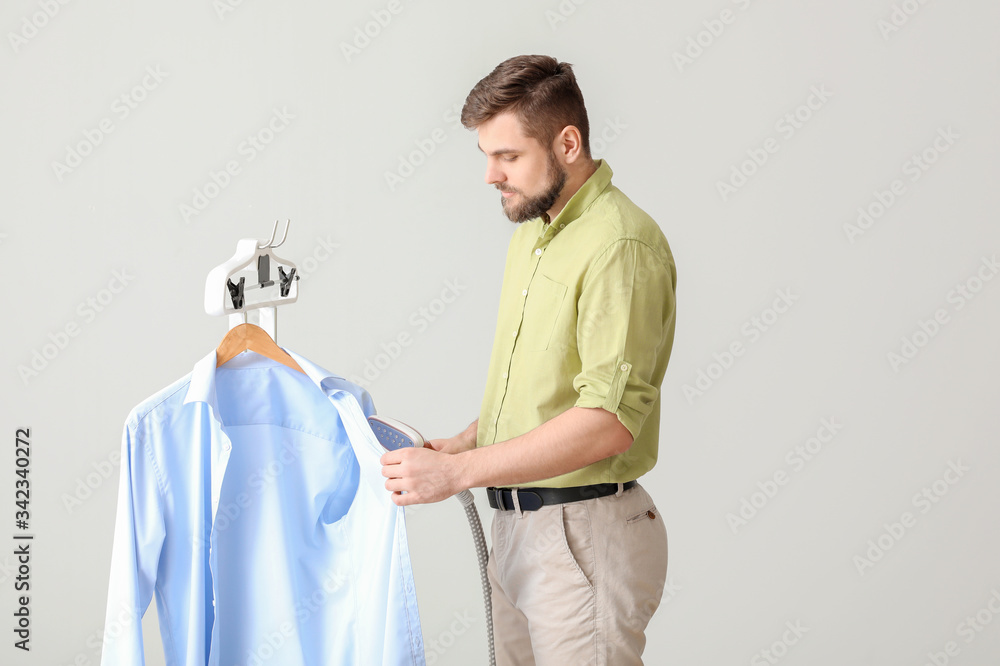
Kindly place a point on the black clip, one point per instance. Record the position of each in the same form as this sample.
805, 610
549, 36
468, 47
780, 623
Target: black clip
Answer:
286, 279
264, 270
236, 292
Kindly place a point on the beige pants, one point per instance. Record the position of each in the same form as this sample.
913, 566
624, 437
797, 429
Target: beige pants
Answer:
577, 583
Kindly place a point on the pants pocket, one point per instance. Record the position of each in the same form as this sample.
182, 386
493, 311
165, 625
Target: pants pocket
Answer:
579, 539
649, 513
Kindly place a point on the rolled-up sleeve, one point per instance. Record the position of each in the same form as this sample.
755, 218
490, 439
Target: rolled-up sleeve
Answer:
625, 319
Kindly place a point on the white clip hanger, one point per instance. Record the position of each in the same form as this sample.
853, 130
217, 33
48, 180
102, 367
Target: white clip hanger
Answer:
251, 283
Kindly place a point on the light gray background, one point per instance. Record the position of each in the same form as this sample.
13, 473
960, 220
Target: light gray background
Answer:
373, 255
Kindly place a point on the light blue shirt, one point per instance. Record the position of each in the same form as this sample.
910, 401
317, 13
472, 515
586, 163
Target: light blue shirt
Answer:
251, 500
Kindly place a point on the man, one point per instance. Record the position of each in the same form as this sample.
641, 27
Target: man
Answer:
570, 416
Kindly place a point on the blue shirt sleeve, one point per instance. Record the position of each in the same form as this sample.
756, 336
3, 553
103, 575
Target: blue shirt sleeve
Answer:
135, 554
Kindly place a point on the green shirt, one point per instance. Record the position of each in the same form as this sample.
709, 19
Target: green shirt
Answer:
586, 319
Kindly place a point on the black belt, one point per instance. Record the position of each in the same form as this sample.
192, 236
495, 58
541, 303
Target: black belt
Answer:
532, 499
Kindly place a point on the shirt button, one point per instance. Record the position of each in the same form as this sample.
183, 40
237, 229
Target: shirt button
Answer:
538, 251
514, 334
505, 375
562, 225
524, 292
624, 366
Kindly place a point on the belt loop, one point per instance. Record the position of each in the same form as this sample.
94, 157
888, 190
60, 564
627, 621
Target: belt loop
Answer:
517, 502
621, 489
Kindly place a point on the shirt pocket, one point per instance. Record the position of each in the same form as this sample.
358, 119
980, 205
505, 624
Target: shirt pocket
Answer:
542, 306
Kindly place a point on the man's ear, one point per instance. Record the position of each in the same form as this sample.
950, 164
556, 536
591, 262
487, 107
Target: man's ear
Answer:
568, 145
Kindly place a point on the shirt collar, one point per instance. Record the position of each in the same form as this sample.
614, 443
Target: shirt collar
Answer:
202, 386
583, 197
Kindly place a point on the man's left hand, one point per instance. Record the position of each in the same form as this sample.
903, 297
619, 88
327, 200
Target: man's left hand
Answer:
424, 474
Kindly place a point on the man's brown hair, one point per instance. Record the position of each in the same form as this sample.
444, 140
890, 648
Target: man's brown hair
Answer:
541, 91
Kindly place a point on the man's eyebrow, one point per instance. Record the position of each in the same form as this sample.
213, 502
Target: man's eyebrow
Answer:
500, 151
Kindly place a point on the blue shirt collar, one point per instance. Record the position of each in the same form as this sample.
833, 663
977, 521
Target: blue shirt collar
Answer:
202, 387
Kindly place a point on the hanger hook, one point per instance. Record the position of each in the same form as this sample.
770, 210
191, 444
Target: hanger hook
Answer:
283, 236
274, 234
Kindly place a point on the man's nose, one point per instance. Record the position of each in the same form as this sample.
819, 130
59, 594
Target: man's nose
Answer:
494, 175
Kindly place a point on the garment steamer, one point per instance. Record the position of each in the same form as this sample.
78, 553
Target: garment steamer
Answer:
394, 435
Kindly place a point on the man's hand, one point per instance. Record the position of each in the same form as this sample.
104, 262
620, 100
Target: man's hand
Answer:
572, 440
425, 474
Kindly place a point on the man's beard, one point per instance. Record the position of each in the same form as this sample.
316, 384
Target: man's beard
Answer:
532, 207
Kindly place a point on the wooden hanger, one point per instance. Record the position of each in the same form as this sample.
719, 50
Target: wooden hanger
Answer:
250, 337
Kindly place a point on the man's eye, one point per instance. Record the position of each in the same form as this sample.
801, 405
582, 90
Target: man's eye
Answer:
510, 158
